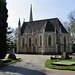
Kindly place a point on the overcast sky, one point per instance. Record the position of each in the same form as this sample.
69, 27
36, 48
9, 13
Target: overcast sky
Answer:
42, 9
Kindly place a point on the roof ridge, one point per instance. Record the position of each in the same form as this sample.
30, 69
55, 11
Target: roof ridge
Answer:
42, 20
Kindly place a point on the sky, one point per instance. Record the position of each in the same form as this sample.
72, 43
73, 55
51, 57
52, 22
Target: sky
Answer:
42, 9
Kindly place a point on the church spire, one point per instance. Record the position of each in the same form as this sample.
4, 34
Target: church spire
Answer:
31, 16
19, 23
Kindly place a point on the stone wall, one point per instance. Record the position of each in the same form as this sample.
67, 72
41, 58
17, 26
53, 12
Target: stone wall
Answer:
45, 48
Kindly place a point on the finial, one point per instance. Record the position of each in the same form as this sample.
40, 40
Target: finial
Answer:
30, 5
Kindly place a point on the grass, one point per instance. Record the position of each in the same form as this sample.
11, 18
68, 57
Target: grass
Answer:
49, 65
12, 61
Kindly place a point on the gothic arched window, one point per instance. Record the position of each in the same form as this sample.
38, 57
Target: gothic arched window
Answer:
35, 40
65, 40
49, 40
23, 40
40, 40
64, 43
29, 42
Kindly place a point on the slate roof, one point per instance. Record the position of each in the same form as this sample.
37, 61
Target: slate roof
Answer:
49, 25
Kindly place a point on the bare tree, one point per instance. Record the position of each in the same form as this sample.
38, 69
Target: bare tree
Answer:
71, 18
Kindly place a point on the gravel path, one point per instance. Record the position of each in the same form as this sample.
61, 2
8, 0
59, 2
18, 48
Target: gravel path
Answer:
32, 65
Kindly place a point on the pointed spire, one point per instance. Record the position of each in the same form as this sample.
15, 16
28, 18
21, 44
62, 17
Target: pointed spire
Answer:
31, 16
23, 19
19, 23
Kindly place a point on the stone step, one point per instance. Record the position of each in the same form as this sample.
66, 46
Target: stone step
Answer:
64, 63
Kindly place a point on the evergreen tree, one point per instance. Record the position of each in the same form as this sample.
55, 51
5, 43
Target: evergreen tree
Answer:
3, 30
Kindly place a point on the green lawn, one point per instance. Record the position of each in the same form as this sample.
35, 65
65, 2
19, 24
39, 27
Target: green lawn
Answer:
49, 65
12, 61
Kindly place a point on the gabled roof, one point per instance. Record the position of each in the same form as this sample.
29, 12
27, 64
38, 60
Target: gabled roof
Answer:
49, 24
34, 26
23, 28
63, 30
49, 27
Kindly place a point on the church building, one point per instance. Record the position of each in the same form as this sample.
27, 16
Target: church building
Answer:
43, 37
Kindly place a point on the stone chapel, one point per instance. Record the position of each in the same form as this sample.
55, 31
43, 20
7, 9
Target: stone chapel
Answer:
43, 36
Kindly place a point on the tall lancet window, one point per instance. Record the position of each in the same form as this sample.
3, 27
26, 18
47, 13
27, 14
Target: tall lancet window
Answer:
65, 40
40, 41
35, 40
23, 42
49, 40
64, 43
29, 42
